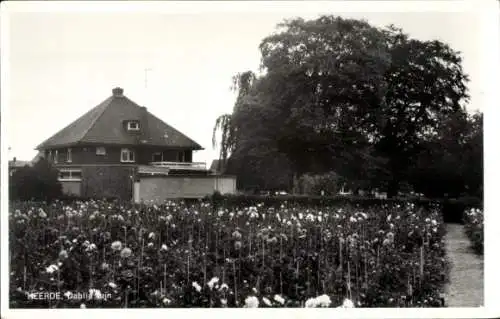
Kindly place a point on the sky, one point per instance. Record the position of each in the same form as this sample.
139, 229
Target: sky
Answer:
62, 64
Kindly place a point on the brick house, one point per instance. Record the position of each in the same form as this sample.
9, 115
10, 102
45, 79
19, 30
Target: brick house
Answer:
116, 144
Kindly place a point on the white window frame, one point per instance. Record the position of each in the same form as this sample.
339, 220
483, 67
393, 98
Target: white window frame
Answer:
71, 178
69, 158
56, 155
100, 150
127, 152
136, 126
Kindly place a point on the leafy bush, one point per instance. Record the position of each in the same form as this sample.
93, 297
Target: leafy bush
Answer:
180, 255
39, 182
474, 227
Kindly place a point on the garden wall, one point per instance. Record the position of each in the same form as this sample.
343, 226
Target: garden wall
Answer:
157, 189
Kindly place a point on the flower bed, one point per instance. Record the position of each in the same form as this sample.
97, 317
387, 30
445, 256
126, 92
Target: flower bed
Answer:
180, 255
474, 227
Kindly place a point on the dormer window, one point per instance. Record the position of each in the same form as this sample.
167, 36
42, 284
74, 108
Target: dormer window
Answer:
133, 125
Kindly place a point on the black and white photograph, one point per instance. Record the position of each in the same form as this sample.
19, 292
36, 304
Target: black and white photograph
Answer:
260, 154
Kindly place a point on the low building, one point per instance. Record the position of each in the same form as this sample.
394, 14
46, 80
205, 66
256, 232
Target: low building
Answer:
119, 149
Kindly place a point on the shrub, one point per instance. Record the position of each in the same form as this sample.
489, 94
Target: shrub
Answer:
474, 228
39, 182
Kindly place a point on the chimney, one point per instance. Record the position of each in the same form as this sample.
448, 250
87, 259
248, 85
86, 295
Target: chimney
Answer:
145, 137
118, 92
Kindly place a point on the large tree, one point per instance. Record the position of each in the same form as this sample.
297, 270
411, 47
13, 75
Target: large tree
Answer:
451, 163
339, 94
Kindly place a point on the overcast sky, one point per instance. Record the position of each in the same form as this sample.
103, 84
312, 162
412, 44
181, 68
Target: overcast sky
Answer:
63, 64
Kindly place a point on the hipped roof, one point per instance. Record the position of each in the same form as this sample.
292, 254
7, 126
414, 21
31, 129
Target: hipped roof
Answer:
104, 124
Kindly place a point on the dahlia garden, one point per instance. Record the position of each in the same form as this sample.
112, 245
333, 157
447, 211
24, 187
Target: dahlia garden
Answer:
179, 254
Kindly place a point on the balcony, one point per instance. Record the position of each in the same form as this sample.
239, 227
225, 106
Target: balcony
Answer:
196, 166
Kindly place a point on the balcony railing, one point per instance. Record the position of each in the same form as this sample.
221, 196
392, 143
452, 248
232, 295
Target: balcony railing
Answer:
198, 166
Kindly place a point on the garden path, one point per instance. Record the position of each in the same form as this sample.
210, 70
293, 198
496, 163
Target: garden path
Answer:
467, 271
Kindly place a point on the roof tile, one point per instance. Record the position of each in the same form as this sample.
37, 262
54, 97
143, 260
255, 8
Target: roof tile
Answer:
105, 124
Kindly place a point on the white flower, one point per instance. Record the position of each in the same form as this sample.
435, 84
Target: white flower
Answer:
166, 301
151, 236
68, 294
41, 213
223, 302
164, 247
220, 213
51, 269
83, 306
323, 301
433, 222
389, 218
251, 302
427, 220
311, 303
112, 285
116, 245
320, 219
223, 286
301, 216
347, 304
212, 282
266, 301
352, 219
150, 245
279, 299
196, 286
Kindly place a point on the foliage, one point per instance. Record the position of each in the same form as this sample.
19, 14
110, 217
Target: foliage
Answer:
474, 227
39, 182
179, 255
348, 96
451, 164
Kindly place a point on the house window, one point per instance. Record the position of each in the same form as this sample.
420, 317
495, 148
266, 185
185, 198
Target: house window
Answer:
100, 151
69, 159
70, 175
133, 126
127, 155
56, 155
157, 157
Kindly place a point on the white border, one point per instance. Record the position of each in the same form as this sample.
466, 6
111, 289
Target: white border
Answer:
490, 37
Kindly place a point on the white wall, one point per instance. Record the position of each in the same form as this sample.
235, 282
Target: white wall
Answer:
169, 187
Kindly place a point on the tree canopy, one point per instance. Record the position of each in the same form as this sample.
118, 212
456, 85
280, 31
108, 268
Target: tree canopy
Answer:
341, 95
